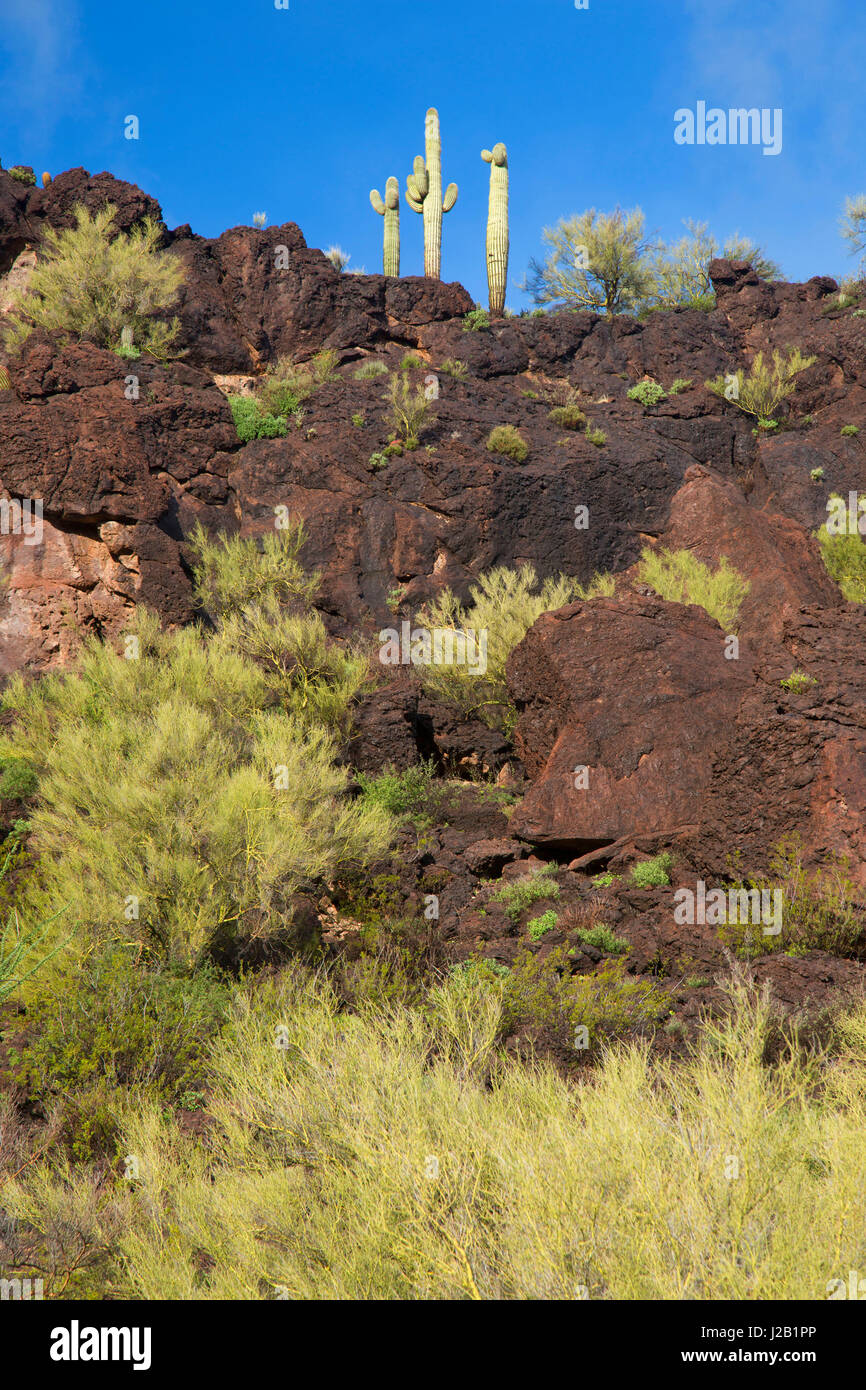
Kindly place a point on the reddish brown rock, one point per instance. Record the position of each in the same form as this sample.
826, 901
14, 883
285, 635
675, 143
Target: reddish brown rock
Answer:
636, 692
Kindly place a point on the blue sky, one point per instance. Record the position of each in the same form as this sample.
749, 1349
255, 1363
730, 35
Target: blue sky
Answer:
300, 112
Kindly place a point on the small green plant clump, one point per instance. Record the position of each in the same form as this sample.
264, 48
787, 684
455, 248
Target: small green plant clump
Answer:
648, 393
399, 793
411, 362
409, 409
476, 321
370, 370
652, 873
518, 894
377, 461
817, 475
568, 417
849, 431
359, 420
505, 439
253, 421
681, 384
603, 939
23, 175
454, 367
680, 577
760, 391
844, 556
798, 683
540, 926
595, 436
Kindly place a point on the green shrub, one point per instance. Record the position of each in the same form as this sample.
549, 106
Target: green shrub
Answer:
112, 1025
18, 781
817, 475
92, 281
253, 422
411, 362
399, 793
606, 879
761, 391
595, 436
25, 176
376, 461
652, 873
820, 909
503, 604
517, 894
323, 366
609, 1003
540, 926
680, 577
648, 393
370, 370
603, 939
505, 439
798, 682
452, 366
476, 321
568, 417
358, 420
132, 1025
186, 795
849, 430
681, 384
844, 556
408, 410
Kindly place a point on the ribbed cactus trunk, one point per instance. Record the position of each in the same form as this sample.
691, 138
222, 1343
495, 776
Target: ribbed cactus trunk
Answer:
498, 243
433, 201
389, 208
424, 195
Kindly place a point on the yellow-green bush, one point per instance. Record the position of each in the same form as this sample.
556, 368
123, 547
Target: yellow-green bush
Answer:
186, 794
844, 556
395, 1156
91, 280
679, 577
761, 390
503, 604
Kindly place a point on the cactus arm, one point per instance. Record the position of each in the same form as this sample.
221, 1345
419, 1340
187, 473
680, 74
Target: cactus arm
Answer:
450, 197
378, 204
413, 197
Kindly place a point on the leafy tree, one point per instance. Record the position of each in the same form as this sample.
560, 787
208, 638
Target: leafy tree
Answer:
853, 226
682, 269
595, 261
92, 281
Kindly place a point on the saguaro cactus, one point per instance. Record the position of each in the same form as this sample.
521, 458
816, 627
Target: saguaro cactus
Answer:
389, 208
497, 227
424, 195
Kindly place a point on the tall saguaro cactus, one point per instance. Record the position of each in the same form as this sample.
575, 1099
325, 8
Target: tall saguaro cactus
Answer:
497, 227
424, 195
389, 208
